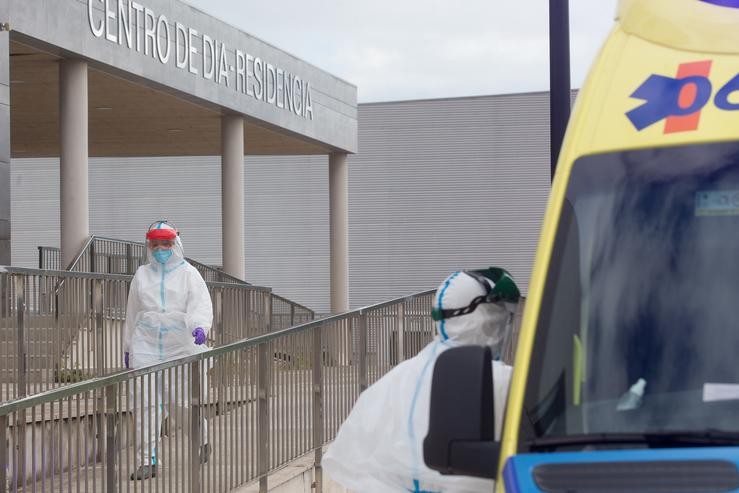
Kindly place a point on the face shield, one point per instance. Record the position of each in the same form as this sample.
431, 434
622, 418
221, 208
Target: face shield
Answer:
472, 307
163, 244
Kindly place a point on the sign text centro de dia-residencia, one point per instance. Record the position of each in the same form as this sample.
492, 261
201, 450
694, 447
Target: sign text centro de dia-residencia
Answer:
124, 21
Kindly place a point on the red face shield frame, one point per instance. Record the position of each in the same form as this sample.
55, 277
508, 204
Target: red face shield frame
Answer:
156, 232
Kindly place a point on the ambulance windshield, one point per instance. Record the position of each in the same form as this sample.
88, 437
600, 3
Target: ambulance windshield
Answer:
639, 325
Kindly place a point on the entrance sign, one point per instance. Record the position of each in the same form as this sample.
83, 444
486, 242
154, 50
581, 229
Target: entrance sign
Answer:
138, 28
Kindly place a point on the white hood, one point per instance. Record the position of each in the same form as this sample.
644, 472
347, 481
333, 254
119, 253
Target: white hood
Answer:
486, 325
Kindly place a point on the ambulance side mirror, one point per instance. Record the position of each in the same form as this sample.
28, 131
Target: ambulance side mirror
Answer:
461, 436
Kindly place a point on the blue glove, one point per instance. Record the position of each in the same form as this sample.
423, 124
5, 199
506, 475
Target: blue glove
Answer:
199, 335
125, 359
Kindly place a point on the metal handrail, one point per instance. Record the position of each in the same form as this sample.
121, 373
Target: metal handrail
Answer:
191, 261
100, 382
234, 279
266, 400
63, 273
293, 303
90, 241
74, 261
9, 269
82, 251
55, 338
44, 254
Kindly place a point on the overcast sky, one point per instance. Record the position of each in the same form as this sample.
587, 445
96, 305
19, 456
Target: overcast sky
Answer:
415, 49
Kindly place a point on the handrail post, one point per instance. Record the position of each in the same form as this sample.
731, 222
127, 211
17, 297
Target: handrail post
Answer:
292, 315
268, 313
111, 447
221, 403
318, 408
92, 256
249, 315
195, 484
263, 415
129, 259
97, 316
4, 453
20, 312
21, 391
401, 333
362, 349
5, 306
218, 317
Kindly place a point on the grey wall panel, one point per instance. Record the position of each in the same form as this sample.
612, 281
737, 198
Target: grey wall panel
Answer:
438, 185
127, 195
287, 227
286, 213
441, 185
35, 208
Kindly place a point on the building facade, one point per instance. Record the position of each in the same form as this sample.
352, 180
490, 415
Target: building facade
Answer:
82, 80
436, 185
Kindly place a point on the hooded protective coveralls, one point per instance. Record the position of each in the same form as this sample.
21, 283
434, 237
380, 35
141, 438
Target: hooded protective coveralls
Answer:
167, 301
379, 448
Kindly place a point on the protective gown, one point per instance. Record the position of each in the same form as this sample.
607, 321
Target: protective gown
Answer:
379, 448
165, 303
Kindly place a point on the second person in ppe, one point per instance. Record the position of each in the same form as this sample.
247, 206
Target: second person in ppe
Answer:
169, 316
379, 448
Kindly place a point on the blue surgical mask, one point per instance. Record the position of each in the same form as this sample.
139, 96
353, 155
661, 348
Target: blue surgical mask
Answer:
162, 256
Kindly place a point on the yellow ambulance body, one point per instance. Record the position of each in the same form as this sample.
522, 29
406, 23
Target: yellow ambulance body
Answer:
651, 152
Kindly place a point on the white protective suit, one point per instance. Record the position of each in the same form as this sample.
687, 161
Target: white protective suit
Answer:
165, 303
379, 448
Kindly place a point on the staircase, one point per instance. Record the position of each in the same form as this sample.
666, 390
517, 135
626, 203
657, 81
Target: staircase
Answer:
72, 325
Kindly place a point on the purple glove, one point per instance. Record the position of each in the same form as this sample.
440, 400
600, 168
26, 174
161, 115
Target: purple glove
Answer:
125, 359
199, 335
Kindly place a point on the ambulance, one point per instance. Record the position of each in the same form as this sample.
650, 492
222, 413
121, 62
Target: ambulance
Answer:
626, 374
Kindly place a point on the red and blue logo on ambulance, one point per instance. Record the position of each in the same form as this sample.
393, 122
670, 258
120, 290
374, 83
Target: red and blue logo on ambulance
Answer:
679, 100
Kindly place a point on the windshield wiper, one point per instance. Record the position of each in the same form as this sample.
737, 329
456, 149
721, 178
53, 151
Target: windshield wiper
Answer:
653, 439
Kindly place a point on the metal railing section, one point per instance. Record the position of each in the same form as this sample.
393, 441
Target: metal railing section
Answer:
257, 403
49, 258
112, 256
61, 327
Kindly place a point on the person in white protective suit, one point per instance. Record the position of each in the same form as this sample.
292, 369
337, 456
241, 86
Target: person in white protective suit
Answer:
169, 316
379, 448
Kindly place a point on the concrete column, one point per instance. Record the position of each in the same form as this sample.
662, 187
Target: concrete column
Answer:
338, 191
73, 203
4, 142
232, 194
